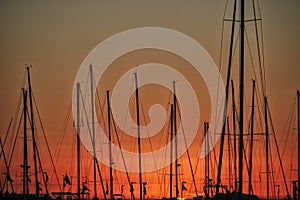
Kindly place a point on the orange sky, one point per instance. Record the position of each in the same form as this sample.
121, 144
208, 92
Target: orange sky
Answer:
56, 36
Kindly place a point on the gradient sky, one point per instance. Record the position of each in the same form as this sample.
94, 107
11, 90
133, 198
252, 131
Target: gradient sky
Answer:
56, 36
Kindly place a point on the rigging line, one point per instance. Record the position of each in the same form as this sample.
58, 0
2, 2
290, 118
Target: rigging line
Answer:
101, 107
101, 180
167, 130
260, 93
288, 125
187, 150
16, 115
196, 167
262, 47
220, 58
250, 54
223, 117
122, 155
234, 51
271, 166
85, 114
243, 149
221, 50
41, 169
277, 148
134, 147
252, 62
18, 108
71, 160
215, 159
47, 144
86, 90
214, 156
6, 135
60, 141
259, 51
232, 167
272, 169
222, 39
259, 104
89, 130
15, 140
126, 114
291, 131
19, 104
99, 102
62, 134
7, 174
236, 46
149, 139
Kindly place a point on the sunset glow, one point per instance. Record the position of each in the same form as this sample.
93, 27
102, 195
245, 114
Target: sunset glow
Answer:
58, 39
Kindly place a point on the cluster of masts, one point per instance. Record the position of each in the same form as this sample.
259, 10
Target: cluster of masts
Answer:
109, 190
142, 185
27, 94
40, 176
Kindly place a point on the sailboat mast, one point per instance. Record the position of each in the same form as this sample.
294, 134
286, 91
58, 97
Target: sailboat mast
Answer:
267, 145
109, 143
251, 138
226, 98
139, 135
171, 152
207, 176
229, 161
78, 139
37, 188
25, 156
93, 131
234, 135
241, 123
298, 108
175, 134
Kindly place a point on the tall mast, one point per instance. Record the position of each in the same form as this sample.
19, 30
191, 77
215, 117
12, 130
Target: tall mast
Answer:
226, 98
139, 135
93, 131
229, 161
298, 108
207, 176
234, 135
78, 140
251, 138
267, 145
109, 143
241, 123
25, 155
175, 133
171, 152
37, 187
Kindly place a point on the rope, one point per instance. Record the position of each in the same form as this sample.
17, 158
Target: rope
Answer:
47, 144
188, 154
122, 155
62, 134
150, 143
281, 166
95, 160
